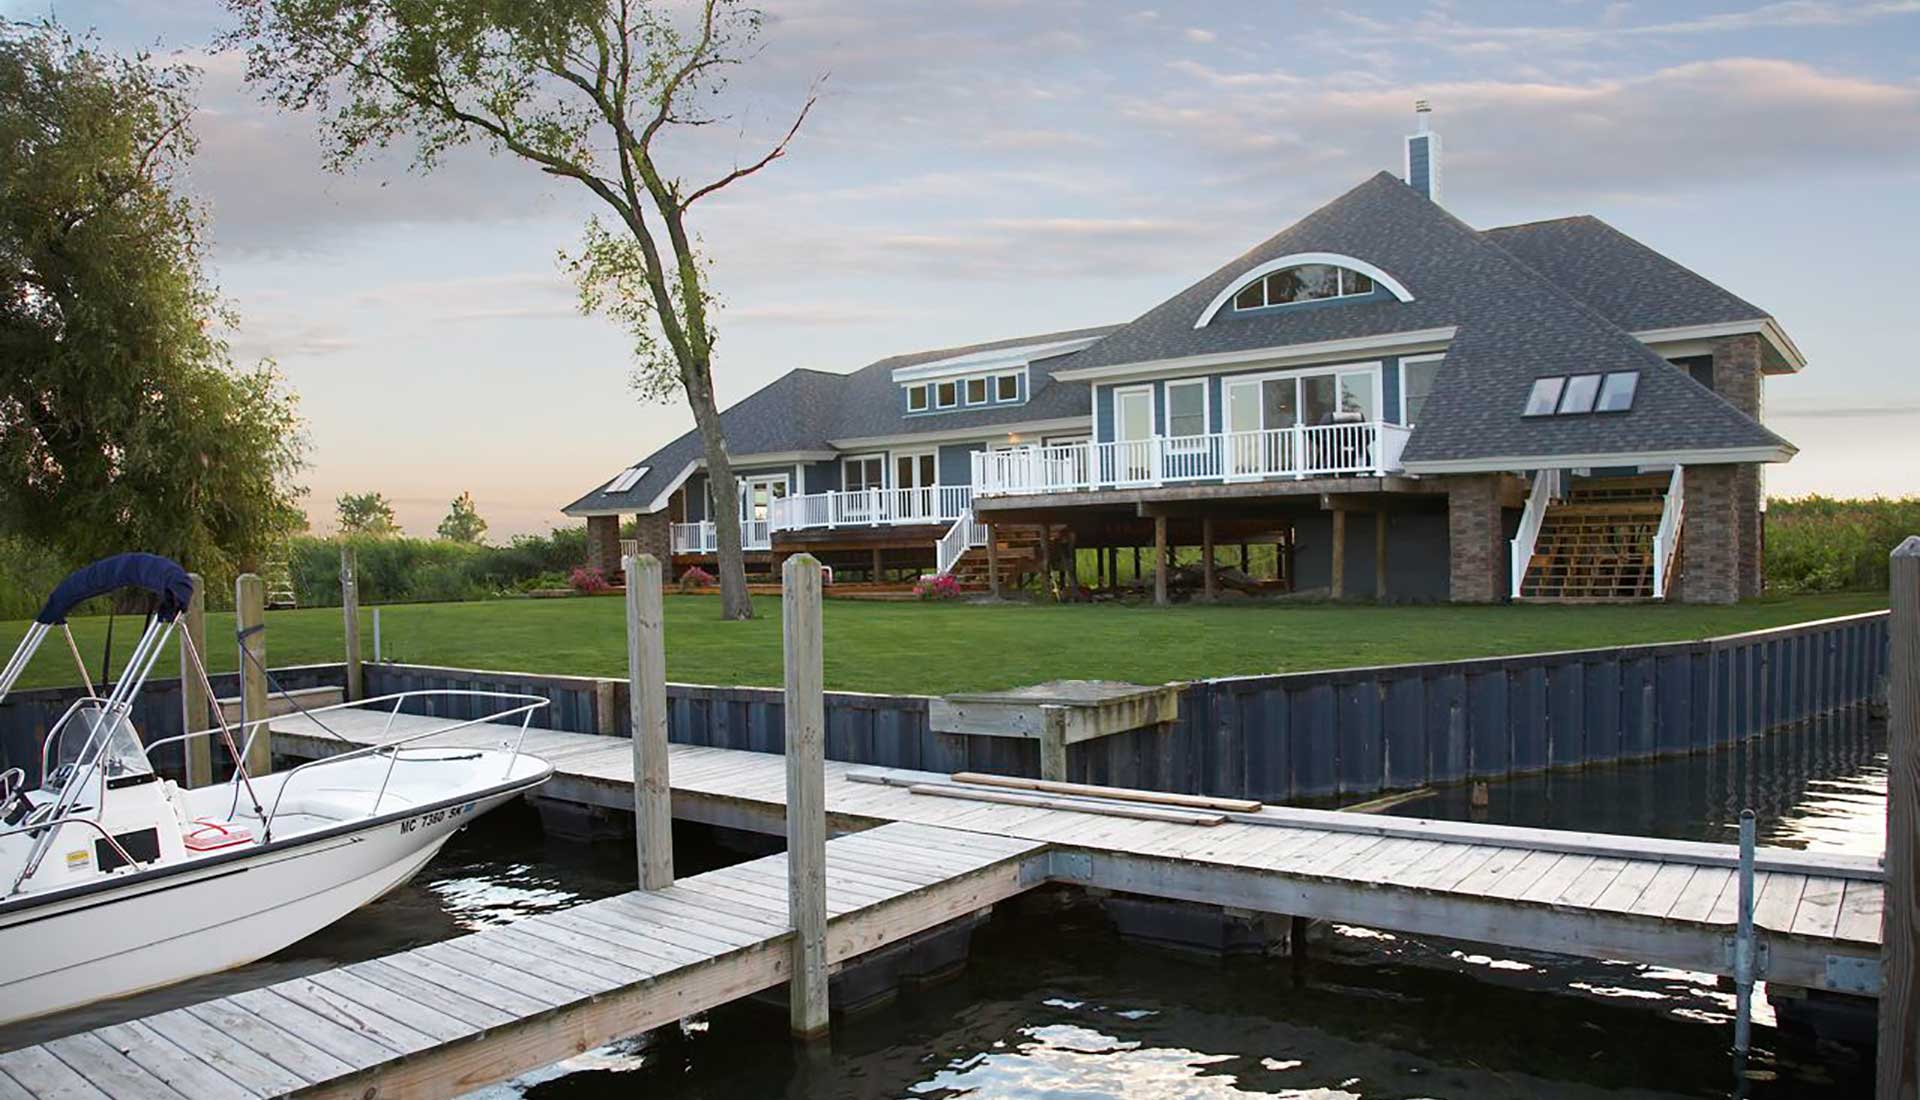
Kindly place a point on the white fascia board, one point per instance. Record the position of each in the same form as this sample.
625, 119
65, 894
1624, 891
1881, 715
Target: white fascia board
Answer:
1768, 329
999, 359
1419, 340
978, 431
1636, 458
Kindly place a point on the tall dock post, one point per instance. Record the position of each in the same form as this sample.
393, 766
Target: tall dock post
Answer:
806, 794
350, 609
1899, 1055
250, 624
647, 703
196, 710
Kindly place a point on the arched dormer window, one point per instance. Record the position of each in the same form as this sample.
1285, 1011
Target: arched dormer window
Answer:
1303, 277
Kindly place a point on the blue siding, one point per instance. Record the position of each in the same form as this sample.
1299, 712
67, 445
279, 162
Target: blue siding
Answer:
956, 463
1390, 390
823, 477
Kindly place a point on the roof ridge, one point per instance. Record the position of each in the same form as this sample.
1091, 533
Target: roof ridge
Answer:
1544, 221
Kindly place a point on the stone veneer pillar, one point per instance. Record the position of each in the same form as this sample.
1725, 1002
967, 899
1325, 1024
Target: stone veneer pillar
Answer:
653, 534
603, 544
1476, 542
1710, 540
1737, 377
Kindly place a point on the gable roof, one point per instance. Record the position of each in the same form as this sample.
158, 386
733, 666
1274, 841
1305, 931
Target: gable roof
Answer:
1628, 283
1510, 324
802, 411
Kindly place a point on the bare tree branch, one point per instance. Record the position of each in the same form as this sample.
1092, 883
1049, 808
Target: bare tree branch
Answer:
779, 150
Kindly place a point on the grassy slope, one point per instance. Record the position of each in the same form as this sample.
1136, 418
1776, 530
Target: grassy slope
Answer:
935, 648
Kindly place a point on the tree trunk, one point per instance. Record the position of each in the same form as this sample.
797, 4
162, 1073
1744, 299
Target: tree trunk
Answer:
734, 601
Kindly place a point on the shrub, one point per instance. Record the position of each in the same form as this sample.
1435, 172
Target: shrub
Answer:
409, 570
588, 581
696, 577
1820, 544
942, 587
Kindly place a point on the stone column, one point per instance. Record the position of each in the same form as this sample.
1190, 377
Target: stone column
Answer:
1738, 378
1476, 541
653, 534
603, 544
1710, 538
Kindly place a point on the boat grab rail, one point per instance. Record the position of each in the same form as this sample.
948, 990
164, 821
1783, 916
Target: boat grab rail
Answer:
32, 825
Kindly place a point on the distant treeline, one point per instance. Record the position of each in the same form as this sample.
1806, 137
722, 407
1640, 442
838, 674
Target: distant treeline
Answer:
1820, 544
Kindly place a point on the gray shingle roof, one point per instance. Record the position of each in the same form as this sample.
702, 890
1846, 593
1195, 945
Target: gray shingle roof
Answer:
1629, 284
803, 409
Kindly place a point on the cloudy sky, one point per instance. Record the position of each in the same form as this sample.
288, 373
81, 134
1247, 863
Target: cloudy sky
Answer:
977, 169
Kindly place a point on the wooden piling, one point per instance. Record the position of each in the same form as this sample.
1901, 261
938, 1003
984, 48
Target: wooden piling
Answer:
196, 710
1380, 556
1206, 556
1337, 567
250, 623
350, 612
647, 701
1899, 1046
993, 560
806, 794
1046, 561
1053, 743
1160, 560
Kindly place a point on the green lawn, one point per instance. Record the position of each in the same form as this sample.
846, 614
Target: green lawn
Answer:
936, 648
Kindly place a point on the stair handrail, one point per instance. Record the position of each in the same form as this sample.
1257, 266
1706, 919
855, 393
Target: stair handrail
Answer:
1546, 486
1666, 541
955, 543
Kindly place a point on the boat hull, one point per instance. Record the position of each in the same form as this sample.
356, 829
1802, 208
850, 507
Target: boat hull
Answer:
211, 915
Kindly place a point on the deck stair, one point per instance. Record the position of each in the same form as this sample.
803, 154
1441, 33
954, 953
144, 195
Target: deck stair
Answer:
1018, 551
1596, 542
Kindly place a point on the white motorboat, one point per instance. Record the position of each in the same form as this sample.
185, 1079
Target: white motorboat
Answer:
118, 880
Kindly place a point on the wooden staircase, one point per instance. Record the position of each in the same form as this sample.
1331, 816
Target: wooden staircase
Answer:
1018, 551
1596, 542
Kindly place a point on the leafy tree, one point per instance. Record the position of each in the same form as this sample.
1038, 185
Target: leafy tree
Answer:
463, 522
123, 424
366, 514
583, 90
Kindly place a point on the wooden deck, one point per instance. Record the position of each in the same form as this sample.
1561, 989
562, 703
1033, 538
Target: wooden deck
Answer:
459, 1014
1647, 900
454, 1016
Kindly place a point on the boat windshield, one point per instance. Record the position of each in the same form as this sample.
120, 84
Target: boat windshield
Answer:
120, 756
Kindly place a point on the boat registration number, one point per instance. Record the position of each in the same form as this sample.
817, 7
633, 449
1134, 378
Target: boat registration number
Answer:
435, 817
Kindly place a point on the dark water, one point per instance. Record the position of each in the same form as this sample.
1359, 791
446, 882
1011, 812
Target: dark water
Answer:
1054, 1004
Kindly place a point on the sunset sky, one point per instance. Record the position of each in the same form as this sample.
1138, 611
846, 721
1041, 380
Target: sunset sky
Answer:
979, 169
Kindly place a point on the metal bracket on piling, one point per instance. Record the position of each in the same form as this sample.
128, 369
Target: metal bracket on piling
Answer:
1071, 866
1746, 958
1854, 974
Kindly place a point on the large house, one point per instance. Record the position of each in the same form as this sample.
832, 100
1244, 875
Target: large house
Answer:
1407, 407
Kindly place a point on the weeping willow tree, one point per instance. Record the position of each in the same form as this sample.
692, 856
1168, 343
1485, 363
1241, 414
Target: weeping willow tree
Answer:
123, 424
582, 90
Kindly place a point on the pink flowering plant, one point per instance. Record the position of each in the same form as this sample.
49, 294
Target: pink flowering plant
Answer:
942, 587
696, 577
589, 581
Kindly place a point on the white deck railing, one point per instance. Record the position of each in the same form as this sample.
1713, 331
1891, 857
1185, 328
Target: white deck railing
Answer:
1365, 448
1666, 542
703, 538
965, 534
1546, 486
871, 507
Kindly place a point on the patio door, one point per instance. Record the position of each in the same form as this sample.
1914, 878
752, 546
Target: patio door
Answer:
1133, 433
863, 478
916, 480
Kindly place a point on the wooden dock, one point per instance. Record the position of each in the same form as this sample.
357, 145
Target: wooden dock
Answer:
1643, 899
454, 1016
460, 1014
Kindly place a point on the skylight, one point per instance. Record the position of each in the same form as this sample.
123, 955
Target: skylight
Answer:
1573, 395
626, 479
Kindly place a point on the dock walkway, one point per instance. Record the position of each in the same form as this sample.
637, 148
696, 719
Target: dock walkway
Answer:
550, 986
538, 990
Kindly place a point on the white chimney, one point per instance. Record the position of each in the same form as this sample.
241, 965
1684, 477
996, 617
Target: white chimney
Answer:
1423, 154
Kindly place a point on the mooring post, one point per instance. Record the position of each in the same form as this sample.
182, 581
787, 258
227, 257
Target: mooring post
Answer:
250, 624
647, 703
806, 794
196, 710
350, 611
1053, 743
1899, 1048
1743, 947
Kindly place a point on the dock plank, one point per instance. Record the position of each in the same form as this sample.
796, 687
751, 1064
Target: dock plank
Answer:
45, 1076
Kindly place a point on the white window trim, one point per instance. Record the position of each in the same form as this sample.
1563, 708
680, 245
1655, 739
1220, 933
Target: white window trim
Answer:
1013, 374
886, 471
986, 390
1404, 363
1261, 271
926, 398
1206, 404
1153, 408
893, 465
955, 403
1336, 369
